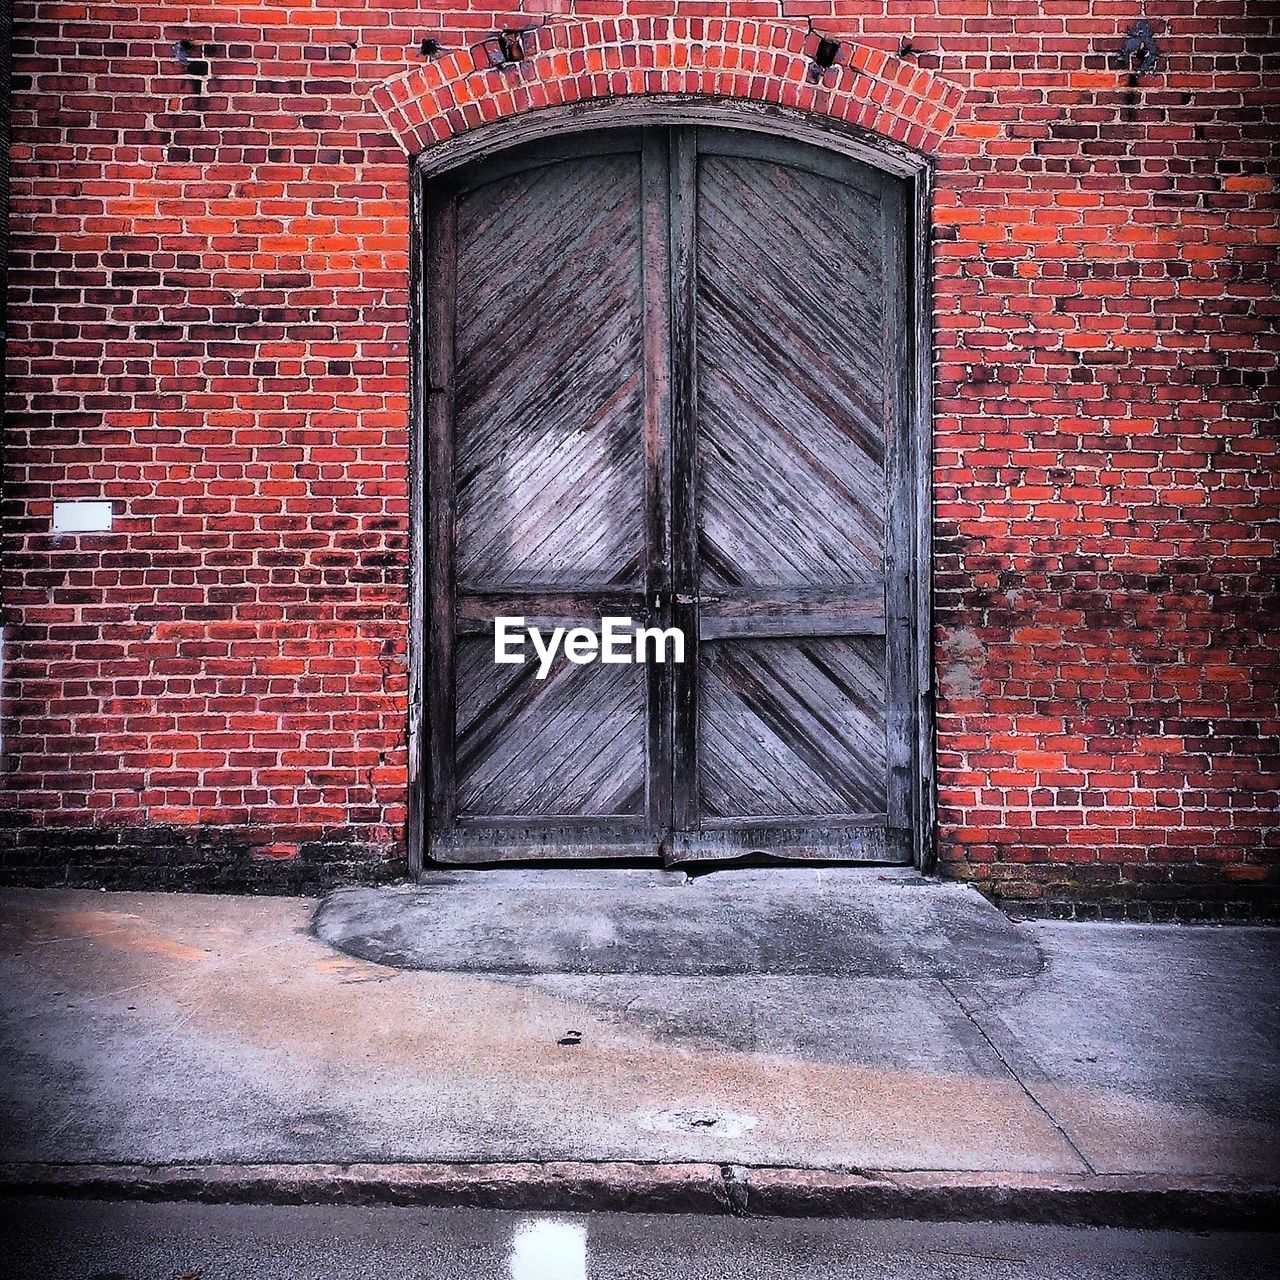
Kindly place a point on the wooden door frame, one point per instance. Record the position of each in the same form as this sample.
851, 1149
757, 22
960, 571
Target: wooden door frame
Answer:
911, 167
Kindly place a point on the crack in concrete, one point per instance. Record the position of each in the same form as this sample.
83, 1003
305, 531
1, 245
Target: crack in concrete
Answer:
1005, 1063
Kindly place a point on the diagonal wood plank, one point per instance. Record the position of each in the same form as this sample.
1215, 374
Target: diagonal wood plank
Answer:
549, 390
571, 745
792, 370
792, 728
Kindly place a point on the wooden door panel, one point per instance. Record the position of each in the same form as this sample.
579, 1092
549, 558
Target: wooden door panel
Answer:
549, 378
792, 729
569, 746
791, 373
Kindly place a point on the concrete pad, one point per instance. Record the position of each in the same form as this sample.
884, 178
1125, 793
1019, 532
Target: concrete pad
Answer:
1157, 1048
161, 1029
839, 922
157, 1028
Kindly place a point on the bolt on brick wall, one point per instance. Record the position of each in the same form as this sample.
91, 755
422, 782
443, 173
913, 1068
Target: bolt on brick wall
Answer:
208, 326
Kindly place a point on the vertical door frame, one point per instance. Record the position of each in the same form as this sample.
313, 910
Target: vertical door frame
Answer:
425, 585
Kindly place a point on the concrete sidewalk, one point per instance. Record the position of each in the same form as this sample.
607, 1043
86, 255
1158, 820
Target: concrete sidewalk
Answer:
789, 1040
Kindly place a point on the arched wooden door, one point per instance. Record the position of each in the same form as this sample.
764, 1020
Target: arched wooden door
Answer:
667, 373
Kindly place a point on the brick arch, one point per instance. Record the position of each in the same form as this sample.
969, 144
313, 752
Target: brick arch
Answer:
610, 58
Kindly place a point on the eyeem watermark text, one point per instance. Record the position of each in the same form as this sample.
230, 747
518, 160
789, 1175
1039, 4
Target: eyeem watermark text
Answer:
619, 641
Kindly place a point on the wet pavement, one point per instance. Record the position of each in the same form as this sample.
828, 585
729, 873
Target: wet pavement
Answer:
59, 1240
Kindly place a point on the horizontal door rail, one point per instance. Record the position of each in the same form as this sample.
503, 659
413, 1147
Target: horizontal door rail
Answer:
810, 611
475, 611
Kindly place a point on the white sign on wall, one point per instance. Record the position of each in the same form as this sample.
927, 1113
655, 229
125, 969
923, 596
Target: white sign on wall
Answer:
81, 517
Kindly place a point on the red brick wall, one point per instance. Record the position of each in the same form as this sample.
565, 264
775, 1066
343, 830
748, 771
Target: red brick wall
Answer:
208, 296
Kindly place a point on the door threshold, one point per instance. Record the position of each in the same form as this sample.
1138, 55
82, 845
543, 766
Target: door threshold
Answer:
683, 870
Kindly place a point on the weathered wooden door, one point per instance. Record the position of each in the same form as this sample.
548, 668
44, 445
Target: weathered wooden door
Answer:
666, 374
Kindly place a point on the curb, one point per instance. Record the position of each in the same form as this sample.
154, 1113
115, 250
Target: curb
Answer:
1132, 1201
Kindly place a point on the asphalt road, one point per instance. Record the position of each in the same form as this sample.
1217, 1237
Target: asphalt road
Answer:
94, 1240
